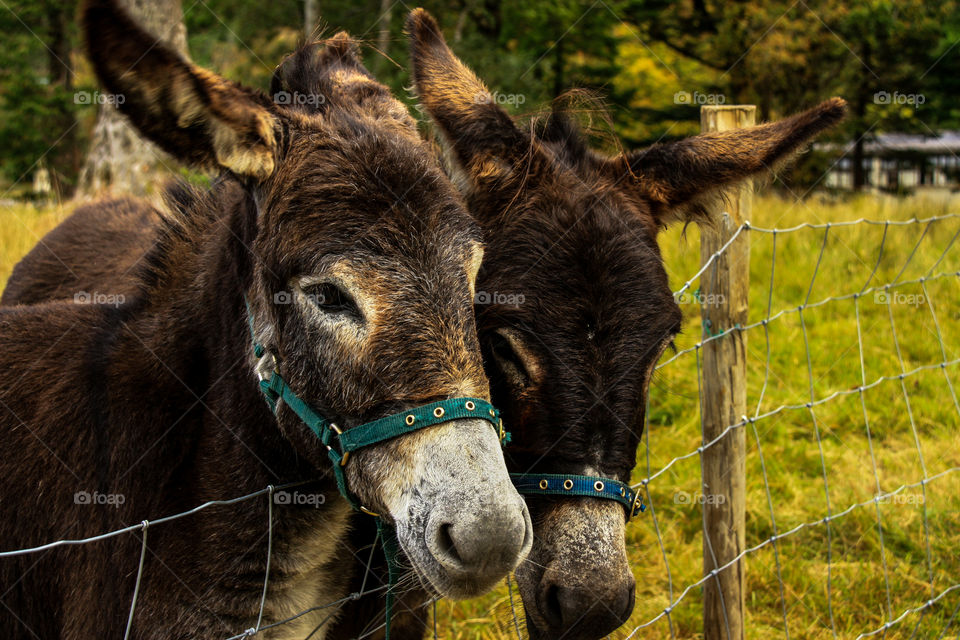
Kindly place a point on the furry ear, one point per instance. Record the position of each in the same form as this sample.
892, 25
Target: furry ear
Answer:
193, 114
676, 177
480, 133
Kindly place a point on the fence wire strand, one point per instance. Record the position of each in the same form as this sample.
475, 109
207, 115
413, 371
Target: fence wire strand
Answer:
674, 598
946, 364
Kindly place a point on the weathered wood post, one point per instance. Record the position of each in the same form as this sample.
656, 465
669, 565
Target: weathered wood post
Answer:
724, 294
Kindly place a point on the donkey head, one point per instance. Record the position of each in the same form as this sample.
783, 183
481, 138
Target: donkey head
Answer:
360, 279
574, 233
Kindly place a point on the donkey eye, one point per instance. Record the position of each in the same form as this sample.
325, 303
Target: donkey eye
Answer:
508, 361
330, 298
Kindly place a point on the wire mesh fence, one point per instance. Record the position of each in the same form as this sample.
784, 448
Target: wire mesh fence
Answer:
914, 398
852, 470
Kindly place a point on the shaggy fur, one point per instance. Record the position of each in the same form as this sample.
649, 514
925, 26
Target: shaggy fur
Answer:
573, 232
154, 401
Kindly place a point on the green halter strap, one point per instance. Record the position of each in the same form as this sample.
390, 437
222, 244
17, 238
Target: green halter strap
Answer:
340, 444
555, 484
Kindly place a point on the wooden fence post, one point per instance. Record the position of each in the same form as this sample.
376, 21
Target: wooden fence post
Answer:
724, 290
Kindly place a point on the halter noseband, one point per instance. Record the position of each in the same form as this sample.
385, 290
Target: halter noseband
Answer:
555, 484
393, 426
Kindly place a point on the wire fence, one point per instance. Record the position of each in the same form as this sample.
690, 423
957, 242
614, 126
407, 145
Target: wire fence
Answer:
939, 582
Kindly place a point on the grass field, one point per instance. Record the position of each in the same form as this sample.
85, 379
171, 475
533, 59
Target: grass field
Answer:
868, 587
789, 444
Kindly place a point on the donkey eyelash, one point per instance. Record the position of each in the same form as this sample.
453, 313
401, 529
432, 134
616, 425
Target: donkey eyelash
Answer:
331, 298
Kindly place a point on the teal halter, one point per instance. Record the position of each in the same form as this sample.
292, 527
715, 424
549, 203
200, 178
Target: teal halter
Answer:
554, 484
341, 443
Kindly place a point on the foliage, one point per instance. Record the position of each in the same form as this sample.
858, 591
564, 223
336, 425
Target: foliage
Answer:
637, 54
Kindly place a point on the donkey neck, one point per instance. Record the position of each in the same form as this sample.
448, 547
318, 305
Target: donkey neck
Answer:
188, 344
188, 331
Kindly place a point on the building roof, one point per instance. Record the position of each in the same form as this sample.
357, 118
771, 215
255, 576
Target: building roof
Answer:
946, 142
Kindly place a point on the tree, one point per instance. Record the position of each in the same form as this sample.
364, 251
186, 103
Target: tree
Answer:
119, 159
38, 123
893, 60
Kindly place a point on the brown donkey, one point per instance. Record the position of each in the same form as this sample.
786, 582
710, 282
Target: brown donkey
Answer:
337, 240
575, 234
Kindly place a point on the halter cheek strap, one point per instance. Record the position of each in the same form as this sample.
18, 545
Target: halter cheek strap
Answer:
555, 484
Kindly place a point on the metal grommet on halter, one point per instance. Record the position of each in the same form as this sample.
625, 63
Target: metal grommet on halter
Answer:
438, 412
582, 486
410, 420
470, 405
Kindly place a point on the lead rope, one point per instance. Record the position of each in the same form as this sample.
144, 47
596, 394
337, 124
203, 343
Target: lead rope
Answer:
275, 388
388, 541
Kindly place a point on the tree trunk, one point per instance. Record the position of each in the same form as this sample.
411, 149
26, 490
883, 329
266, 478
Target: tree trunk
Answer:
119, 159
559, 85
310, 19
65, 163
864, 93
461, 22
859, 172
383, 38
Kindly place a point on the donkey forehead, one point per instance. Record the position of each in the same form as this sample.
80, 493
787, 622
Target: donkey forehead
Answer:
365, 181
399, 267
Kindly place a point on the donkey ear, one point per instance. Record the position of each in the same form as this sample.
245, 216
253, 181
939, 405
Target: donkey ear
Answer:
193, 114
677, 177
481, 134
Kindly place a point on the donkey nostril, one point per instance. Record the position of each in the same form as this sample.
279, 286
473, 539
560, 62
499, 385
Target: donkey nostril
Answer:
551, 608
577, 609
446, 545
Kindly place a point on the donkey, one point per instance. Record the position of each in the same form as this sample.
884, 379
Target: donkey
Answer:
572, 363
337, 242
574, 232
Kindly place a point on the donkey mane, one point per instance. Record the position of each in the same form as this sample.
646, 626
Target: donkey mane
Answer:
329, 73
186, 216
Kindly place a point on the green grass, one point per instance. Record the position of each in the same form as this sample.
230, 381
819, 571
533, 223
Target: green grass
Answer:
794, 468
789, 446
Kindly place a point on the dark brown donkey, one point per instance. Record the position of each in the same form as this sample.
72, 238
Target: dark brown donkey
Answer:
358, 262
575, 234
